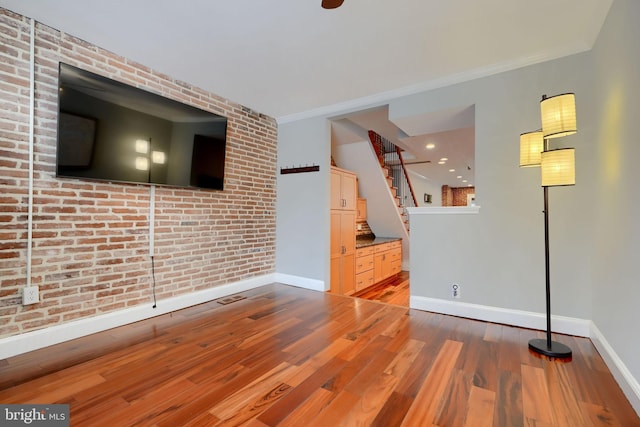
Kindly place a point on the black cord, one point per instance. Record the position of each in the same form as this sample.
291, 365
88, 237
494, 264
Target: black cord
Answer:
153, 276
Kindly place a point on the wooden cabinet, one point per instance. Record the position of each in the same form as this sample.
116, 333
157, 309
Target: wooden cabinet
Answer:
364, 268
395, 254
343, 190
377, 262
387, 260
343, 232
361, 210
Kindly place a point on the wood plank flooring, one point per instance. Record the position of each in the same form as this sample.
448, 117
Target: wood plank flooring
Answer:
291, 357
394, 290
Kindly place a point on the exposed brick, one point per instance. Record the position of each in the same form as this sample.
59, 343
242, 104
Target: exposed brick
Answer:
456, 196
90, 253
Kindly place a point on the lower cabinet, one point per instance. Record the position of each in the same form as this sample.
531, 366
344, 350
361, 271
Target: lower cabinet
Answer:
377, 262
364, 268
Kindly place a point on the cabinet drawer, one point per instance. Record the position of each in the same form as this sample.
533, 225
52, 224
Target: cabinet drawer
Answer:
396, 244
395, 254
383, 247
364, 263
396, 266
364, 280
368, 250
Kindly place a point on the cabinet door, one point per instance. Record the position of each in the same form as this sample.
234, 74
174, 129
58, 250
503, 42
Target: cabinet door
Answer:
344, 190
343, 252
377, 267
336, 251
348, 231
348, 274
362, 210
336, 233
335, 284
348, 228
336, 190
349, 191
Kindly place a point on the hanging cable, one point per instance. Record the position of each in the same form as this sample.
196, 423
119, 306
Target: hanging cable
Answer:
31, 150
152, 220
153, 283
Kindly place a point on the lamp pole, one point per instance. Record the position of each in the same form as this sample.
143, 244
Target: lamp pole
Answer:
546, 262
546, 346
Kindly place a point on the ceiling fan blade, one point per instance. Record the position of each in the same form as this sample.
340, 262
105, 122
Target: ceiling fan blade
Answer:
331, 4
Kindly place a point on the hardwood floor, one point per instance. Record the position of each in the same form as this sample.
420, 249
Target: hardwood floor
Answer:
289, 357
394, 290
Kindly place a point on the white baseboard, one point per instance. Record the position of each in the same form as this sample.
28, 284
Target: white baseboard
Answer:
629, 385
301, 282
29, 341
520, 318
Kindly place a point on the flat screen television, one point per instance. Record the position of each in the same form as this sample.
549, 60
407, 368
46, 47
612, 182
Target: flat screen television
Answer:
111, 131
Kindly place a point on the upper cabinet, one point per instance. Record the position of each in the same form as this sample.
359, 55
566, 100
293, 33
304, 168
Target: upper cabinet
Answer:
361, 214
343, 189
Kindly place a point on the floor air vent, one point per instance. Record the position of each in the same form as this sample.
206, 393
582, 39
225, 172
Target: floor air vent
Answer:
230, 299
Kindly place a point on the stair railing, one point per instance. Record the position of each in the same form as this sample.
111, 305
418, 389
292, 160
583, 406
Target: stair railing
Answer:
390, 157
407, 188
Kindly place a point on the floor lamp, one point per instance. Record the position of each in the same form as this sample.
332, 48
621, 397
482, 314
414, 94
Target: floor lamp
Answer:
557, 169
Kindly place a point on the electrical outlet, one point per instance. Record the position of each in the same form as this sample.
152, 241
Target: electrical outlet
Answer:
30, 295
455, 290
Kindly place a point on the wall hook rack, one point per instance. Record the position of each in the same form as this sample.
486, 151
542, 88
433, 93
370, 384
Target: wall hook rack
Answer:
299, 169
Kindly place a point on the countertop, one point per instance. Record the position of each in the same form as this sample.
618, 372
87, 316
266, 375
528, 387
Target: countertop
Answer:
368, 241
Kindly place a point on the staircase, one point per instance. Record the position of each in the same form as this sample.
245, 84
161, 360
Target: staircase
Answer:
384, 207
388, 174
390, 159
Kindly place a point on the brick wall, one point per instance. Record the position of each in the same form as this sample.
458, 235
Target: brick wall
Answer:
456, 196
91, 239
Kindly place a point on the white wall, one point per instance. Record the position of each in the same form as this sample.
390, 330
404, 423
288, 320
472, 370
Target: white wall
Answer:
424, 185
498, 255
615, 232
302, 222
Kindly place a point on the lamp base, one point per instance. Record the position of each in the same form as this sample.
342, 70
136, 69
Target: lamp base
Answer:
557, 349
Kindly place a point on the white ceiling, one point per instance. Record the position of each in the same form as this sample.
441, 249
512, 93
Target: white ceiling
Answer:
290, 58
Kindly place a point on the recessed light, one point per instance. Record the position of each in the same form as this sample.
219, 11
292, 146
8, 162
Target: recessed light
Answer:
459, 176
444, 159
470, 185
464, 180
441, 162
452, 170
430, 146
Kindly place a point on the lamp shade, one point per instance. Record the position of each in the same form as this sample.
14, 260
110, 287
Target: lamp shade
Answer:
142, 146
531, 146
558, 115
142, 163
558, 167
158, 157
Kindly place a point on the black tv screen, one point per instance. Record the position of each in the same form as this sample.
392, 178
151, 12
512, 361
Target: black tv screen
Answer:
110, 131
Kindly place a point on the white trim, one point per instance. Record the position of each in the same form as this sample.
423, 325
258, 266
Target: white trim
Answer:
629, 385
444, 210
301, 282
29, 341
520, 318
